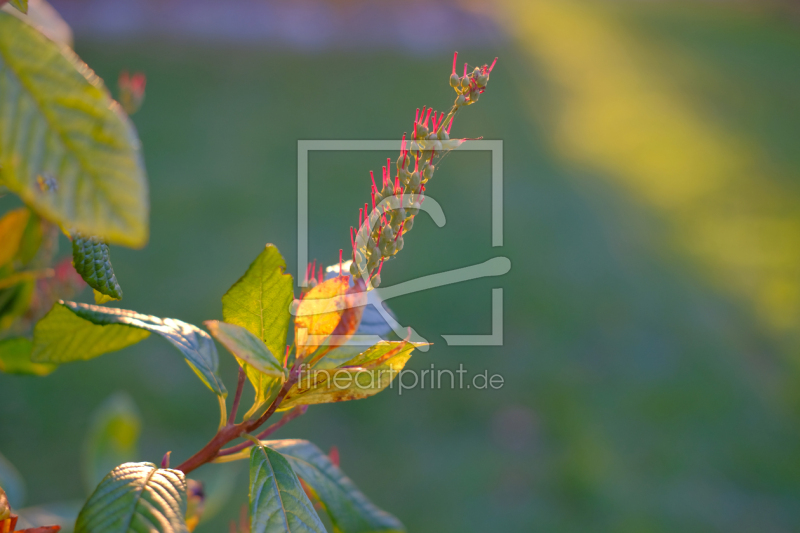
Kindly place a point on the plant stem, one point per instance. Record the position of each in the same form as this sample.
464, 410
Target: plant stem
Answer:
288, 417
233, 431
237, 397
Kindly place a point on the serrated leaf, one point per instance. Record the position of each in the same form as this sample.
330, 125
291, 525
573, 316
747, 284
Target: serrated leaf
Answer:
93, 262
261, 367
134, 498
12, 228
15, 358
319, 313
278, 503
246, 346
348, 508
112, 438
60, 337
260, 300
22, 5
364, 375
57, 120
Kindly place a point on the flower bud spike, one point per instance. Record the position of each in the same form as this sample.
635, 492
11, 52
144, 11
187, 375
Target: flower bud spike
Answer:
353, 241
372, 177
360, 217
321, 276
308, 273
450, 125
380, 267
400, 230
416, 117
415, 130
455, 58
372, 192
492, 65
396, 184
427, 117
465, 69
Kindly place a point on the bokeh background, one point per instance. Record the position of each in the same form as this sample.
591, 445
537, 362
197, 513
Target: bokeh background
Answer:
652, 218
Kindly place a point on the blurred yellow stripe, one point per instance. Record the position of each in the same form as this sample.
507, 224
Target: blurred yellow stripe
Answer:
617, 113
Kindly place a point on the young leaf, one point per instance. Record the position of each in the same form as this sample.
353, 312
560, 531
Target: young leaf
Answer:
260, 300
319, 314
349, 510
73, 331
278, 503
247, 347
15, 358
136, 497
92, 261
59, 122
112, 438
12, 228
365, 375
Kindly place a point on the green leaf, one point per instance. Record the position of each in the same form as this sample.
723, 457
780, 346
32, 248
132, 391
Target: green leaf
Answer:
58, 121
278, 503
362, 376
112, 438
261, 367
73, 331
92, 261
247, 347
135, 498
260, 300
22, 5
11, 481
62, 337
12, 228
15, 358
349, 510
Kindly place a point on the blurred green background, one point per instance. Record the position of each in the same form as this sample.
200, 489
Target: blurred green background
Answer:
652, 219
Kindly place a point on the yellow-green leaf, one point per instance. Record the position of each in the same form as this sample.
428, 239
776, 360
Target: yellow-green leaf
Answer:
319, 313
15, 358
364, 375
12, 228
58, 122
62, 336
260, 300
73, 331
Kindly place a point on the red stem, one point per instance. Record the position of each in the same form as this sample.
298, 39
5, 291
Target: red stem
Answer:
237, 397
